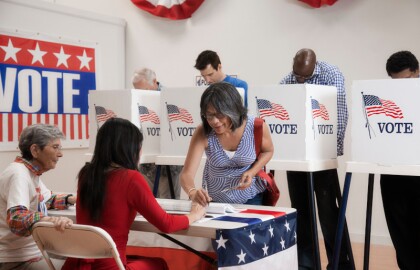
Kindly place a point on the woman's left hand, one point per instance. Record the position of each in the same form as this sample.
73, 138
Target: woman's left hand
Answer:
60, 223
246, 180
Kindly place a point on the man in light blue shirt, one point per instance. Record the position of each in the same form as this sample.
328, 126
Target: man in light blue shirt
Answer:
210, 67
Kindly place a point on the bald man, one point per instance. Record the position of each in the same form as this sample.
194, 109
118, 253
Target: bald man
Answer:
306, 69
400, 193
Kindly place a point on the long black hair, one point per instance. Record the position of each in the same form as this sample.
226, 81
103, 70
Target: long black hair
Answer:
118, 145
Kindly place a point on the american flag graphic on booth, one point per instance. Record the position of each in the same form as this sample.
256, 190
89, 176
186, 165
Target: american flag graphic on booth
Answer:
103, 114
260, 245
175, 113
319, 110
148, 115
375, 105
44, 82
267, 108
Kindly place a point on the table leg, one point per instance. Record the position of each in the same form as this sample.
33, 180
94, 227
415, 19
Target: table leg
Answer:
314, 229
203, 256
156, 183
341, 221
368, 221
170, 182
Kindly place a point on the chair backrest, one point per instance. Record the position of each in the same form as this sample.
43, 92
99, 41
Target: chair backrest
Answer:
77, 241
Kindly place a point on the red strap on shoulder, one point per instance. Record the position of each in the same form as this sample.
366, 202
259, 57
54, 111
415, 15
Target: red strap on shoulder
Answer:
258, 133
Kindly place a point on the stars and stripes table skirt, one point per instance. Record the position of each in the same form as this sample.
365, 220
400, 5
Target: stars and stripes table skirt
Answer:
267, 240
269, 244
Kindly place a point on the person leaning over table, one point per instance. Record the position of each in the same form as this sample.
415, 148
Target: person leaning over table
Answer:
306, 69
226, 135
145, 79
111, 191
24, 199
400, 193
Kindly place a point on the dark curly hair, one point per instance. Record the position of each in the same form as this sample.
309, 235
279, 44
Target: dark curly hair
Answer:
400, 61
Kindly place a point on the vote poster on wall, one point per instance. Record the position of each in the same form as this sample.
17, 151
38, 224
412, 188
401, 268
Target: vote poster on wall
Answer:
45, 80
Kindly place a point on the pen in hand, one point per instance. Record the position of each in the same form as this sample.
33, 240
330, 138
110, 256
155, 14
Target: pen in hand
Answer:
206, 194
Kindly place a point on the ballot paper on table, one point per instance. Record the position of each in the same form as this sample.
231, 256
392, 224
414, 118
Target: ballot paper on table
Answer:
185, 206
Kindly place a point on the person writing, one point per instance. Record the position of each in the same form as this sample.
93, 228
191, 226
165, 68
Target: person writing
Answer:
145, 79
401, 193
226, 135
25, 199
306, 69
210, 67
111, 191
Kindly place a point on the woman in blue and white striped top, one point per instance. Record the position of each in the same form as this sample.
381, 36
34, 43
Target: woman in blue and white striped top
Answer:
226, 135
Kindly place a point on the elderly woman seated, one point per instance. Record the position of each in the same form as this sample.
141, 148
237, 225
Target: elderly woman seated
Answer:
24, 199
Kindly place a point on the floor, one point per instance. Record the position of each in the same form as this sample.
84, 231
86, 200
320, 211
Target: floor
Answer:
381, 257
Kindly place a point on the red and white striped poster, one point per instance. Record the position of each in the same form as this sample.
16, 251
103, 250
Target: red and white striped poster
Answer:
44, 80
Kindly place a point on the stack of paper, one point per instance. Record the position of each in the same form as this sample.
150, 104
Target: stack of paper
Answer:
185, 206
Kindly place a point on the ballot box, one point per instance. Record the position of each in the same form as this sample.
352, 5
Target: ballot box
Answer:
141, 107
385, 119
302, 119
180, 116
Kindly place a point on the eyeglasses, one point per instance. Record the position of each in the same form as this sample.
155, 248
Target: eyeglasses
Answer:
302, 77
56, 147
211, 116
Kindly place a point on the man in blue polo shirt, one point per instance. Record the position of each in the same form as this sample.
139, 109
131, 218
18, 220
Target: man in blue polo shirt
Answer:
210, 67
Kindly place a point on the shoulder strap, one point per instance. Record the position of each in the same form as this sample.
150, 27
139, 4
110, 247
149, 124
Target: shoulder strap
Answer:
258, 132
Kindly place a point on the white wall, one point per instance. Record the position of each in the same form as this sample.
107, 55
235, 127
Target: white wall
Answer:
258, 39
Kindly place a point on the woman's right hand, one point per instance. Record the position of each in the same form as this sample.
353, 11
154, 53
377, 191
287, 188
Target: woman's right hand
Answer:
200, 196
197, 212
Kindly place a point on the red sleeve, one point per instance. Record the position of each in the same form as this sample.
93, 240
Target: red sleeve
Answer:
141, 198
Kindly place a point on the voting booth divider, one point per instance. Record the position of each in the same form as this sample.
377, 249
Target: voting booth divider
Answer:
302, 119
385, 121
141, 107
384, 140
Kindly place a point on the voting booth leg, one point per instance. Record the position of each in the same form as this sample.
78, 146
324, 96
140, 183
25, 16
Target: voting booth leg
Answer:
156, 183
368, 221
346, 230
341, 221
170, 182
314, 229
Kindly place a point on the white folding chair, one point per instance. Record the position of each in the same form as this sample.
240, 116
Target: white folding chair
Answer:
78, 241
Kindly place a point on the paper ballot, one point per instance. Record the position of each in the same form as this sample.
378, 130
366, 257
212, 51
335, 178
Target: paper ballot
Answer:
185, 206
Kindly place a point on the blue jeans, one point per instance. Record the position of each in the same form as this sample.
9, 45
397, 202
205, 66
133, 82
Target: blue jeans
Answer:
257, 200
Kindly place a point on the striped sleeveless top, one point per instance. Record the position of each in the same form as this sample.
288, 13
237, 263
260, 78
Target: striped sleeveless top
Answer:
222, 172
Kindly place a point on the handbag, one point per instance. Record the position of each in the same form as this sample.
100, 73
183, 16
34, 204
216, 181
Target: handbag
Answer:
272, 193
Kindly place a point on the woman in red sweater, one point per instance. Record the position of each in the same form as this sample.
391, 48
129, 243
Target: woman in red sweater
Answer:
111, 191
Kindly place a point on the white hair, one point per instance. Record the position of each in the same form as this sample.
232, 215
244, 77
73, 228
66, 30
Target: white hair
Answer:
144, 74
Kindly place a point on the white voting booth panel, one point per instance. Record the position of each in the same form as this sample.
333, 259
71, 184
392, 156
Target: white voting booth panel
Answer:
141, 107
302, 119
180, 110
385, 121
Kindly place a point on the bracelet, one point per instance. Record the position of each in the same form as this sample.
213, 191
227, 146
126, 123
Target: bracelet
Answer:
189, 191
67, 199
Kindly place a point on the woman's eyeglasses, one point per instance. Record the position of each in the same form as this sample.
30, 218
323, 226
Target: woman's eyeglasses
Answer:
211, 116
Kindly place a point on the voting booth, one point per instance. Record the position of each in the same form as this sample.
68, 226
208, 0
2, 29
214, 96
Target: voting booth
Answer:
385, 121
180, 110
141, 107
302, 119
